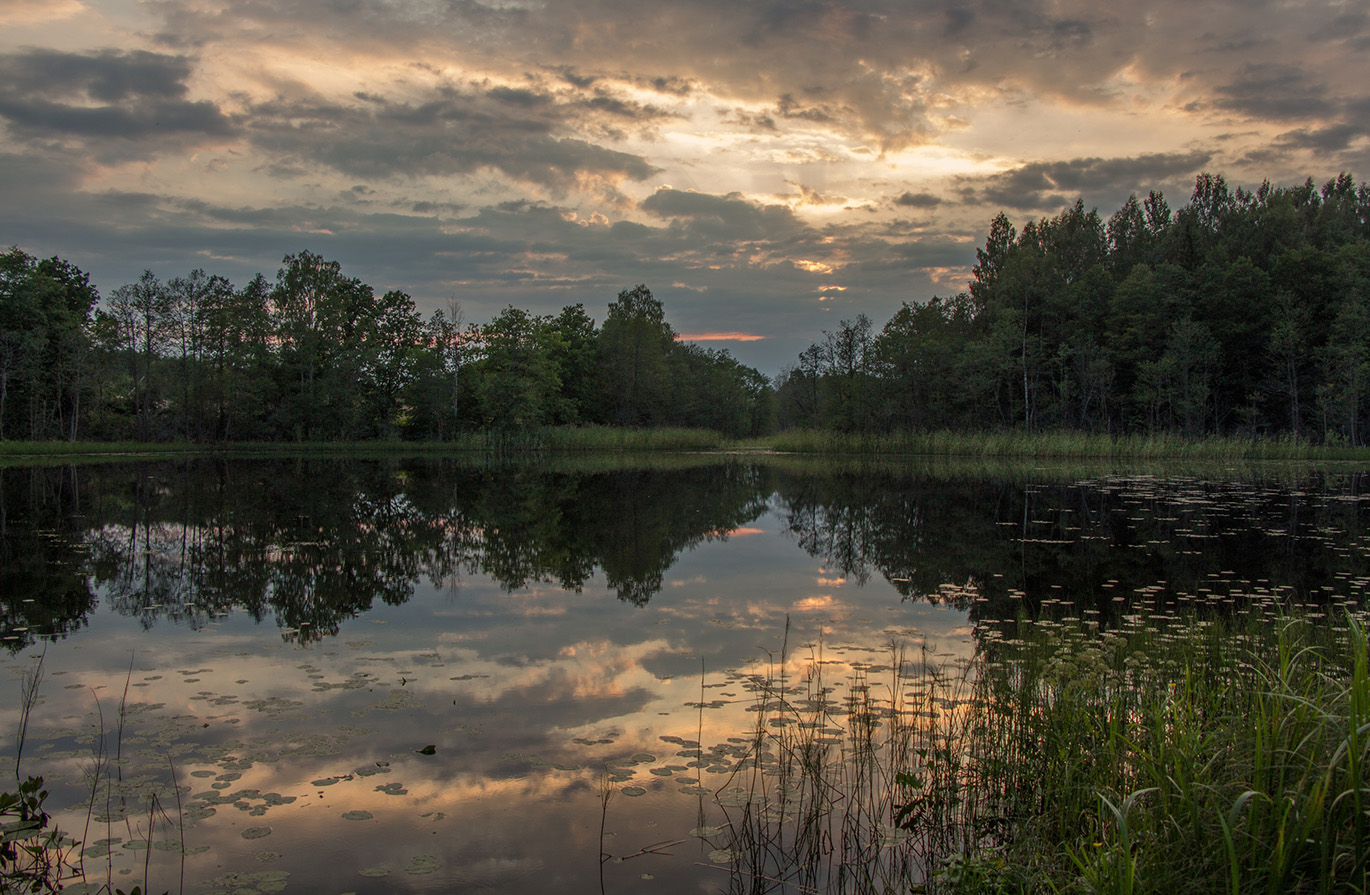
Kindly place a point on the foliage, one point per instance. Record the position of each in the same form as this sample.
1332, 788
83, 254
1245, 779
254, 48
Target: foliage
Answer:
45, 309
32, 854
1216, 750
1242, 313
1116, 760
318, 356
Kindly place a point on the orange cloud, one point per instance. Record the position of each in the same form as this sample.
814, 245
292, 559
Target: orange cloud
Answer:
718, 337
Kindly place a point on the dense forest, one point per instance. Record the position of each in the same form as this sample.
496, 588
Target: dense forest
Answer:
1243, 312
319, 356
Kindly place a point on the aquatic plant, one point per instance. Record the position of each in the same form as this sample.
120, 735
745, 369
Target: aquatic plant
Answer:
1063, 444
35, 855
1218, 751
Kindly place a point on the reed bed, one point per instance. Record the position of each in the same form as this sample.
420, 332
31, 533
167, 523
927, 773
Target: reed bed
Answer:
492, 441
1215, 750
1061, 445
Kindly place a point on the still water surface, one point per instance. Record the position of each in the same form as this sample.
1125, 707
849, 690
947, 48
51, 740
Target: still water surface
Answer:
427, 675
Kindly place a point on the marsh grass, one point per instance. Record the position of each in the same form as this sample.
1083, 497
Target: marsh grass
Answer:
1207, 750
812, 806
38, 857
551, 440
556, 439
1061, 445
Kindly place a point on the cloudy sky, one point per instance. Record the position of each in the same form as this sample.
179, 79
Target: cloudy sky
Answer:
766, 168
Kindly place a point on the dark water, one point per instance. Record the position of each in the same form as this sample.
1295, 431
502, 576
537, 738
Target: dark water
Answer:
286, 637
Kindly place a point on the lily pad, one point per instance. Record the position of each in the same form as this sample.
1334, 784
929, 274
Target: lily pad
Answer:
427, 750
634, 791
357, 815
256, 832
422, 864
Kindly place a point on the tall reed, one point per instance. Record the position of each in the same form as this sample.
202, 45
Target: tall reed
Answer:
1217, 750
1062, 444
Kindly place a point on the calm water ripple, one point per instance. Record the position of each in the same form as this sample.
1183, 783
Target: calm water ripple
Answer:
421, 675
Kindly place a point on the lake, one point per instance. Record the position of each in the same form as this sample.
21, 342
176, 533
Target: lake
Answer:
417, 674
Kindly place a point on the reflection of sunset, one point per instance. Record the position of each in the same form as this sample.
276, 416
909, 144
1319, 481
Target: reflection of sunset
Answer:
533, 695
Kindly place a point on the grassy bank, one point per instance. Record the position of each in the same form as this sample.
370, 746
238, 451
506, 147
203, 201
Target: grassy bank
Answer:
989, 446
1219, 751
556, 439
1059, 445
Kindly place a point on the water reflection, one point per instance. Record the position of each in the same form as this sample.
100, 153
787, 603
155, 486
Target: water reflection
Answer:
281, 639
993, 545
310, 543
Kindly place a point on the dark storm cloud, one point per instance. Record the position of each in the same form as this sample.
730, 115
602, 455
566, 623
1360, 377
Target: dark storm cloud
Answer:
844, 63
724, 217
917, 200
519, 96
1275, 91
110, 94
669, 84
1041, 185
1333, 138
1352, 26
497, 100
710, 259
515, 131
107, 76
574, 78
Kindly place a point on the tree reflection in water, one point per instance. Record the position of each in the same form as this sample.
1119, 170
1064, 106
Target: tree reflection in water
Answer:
312, 542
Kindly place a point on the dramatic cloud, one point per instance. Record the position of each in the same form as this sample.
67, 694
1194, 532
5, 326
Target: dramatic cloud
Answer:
103, 95
1049, 185
767, 168
917, 200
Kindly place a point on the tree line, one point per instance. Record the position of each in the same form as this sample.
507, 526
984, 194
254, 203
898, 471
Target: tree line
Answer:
1243, 312
317, 355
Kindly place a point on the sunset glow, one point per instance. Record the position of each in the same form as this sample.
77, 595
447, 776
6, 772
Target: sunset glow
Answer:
719, 337
495, 156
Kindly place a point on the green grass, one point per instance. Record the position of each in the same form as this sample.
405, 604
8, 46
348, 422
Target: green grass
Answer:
1203, 752
549, 440
1007, 446
1060, 445
1216, 750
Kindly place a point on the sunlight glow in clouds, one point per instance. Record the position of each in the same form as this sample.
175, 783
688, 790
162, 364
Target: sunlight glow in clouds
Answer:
722, 156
